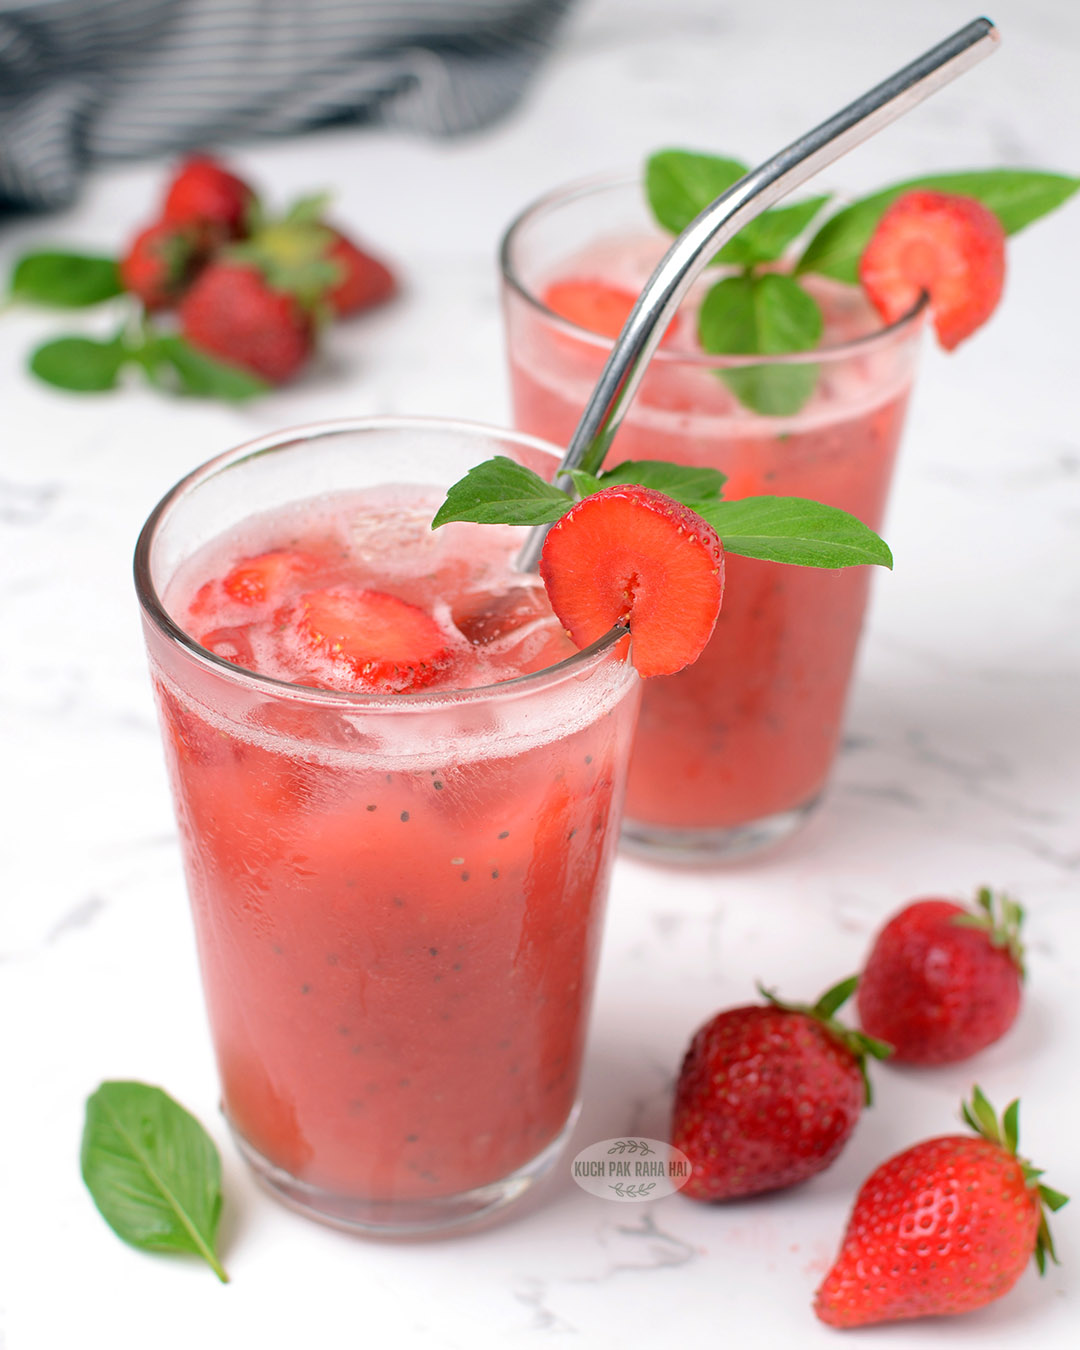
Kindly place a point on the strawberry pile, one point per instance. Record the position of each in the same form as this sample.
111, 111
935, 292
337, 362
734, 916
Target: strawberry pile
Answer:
768, 1095
231, 299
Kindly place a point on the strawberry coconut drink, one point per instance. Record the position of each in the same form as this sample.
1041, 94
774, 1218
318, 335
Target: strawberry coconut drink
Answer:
398, 765
788, 378
398, 786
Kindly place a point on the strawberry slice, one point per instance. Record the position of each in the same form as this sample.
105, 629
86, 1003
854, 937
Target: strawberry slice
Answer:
383, 643
267, 577
953, 248
595, 306
630, 553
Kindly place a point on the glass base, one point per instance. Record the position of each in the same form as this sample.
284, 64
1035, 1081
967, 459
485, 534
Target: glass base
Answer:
439, 1217
663, 843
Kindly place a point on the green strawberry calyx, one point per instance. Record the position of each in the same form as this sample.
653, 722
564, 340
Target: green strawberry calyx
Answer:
857, 1043
983, 1119
1001, 918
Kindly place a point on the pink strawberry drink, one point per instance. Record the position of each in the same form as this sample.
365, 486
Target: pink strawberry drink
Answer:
398, 790
733, 751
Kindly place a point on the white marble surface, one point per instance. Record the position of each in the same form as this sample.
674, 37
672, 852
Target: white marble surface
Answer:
960, 766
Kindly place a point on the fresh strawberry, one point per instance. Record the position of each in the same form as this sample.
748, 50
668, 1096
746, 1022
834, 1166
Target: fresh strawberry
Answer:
629, 554
234, 314
265, 578
942, 1228
365, 281
160, 262
595, 306
380, 642
942, 982
768, 1095
953, 248
204, 193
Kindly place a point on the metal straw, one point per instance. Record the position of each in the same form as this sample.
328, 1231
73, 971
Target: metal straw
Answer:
707, 233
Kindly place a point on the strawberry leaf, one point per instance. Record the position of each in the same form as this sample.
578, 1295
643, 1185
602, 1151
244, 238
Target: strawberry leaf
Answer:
502, 492
153, 1171
794, 530
81, 365
65, 280
309, 209
1016, 196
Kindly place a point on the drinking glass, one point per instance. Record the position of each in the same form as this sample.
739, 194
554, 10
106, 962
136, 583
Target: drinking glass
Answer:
734, 752
397, 898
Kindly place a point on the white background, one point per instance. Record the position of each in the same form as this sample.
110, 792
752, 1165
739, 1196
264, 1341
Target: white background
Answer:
960, 765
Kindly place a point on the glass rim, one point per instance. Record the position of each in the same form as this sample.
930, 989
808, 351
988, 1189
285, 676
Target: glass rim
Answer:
154, 609
584, 187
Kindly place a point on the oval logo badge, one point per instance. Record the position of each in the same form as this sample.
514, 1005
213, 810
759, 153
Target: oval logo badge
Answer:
633, 1168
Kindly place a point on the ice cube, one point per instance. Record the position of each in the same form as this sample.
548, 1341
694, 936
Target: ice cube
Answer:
486, 616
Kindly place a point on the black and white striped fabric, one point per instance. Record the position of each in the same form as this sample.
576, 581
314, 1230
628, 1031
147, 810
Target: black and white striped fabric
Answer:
88, 79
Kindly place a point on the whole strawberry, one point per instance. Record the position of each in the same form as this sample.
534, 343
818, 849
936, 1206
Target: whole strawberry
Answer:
364, 281
942, 1228
204, 193
233, 313
160, 262
942, 981
769, 1094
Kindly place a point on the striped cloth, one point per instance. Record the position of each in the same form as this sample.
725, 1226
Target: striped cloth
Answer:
100, 79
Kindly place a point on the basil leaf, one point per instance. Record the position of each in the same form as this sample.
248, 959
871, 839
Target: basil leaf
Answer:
153, 1171
771, 314
585, 483
793, 530
766, 238
192, 371
501, 492
687, 484
82, 365
1016, 196
773, 391
679, 184
65, 280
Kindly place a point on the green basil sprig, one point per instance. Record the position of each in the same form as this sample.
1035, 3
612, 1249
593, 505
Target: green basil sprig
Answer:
777, 529
755, 312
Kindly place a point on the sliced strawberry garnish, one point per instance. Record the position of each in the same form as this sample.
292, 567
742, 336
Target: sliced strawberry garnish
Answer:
953, 248
629, 553
381, 642
267, 577
595, 306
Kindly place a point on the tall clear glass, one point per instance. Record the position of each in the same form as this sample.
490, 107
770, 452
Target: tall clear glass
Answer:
732, 753
397, 899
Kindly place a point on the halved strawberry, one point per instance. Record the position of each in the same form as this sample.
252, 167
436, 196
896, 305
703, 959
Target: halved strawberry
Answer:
953, 248
266, 577
629, 553
385, 644
595, 306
